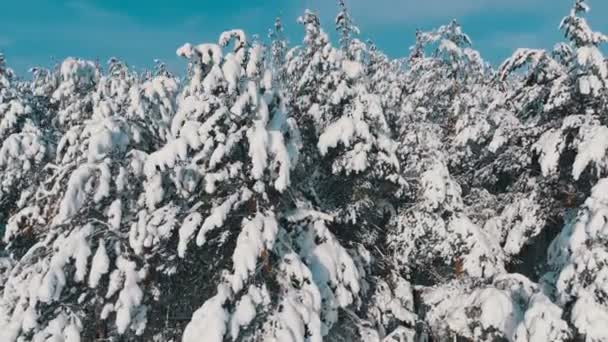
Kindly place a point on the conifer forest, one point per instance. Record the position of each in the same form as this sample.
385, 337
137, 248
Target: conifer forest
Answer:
309, 192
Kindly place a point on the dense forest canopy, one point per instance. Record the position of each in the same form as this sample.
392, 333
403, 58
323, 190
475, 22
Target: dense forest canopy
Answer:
322, 192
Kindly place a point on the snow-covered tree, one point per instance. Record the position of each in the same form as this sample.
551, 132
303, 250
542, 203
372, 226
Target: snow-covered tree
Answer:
574, 122
25, 146
579, 259
322, 192
511, 308
83, 206
345, 26
588, 73
441, 67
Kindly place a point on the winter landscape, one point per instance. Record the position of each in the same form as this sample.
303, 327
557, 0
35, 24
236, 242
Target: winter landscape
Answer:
308, 191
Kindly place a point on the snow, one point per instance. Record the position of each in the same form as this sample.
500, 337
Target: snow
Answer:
115, 214
401, 334
498, 140
353, 70
450, 47
75, 195
208, 53
403, 303
74, 246
12, 227
283, 157
580, 259
471, 131
105, 137
512, 307
590, 317
592, 147
438, 189
115, 283
104, 183
293, 327
255, 58
25, 146
209, 322
29, 320
342, 131
232, 71
238, 35
337, 193
332, 268
300, 214
550, 146
497, 310
218, 216
214, 80
166, 157
71, 333
521, 57
154, 191
301, 303
10, 113
75, 73
591, 56
521, 221
243, 315
138, 233
542, 321
130, 297
245, 310
258, 142
187, 230
105, 312
82, 252
484, 257
257, 236
99, 266
394, 305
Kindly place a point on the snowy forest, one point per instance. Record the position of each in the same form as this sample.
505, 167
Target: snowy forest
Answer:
314, 192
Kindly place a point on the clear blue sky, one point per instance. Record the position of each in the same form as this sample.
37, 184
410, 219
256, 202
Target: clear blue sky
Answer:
42, 32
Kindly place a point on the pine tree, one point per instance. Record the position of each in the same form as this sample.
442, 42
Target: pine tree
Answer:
325, 192
578, 261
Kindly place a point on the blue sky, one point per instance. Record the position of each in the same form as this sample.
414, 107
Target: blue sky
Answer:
43, 32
